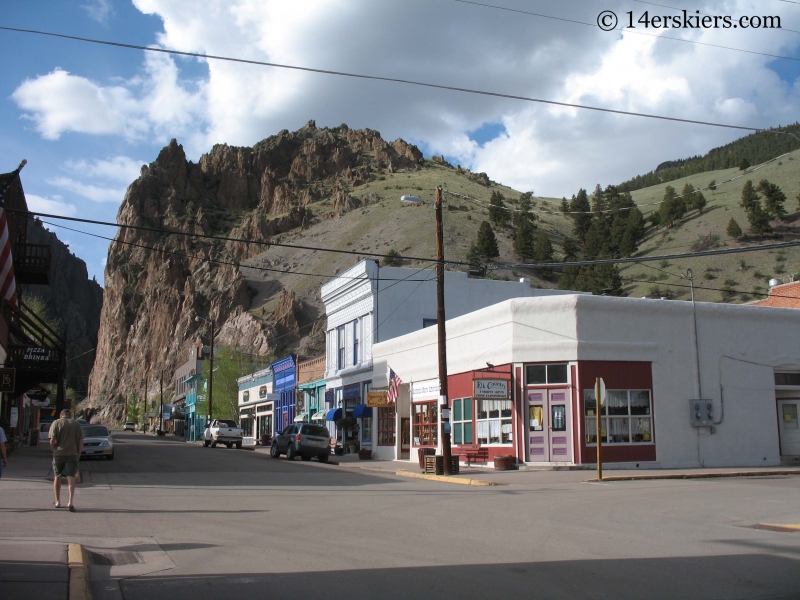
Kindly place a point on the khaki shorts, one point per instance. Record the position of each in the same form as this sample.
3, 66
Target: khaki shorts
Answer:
65, 466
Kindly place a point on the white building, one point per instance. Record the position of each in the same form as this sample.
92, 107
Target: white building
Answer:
725, 394
257, 406
368, 304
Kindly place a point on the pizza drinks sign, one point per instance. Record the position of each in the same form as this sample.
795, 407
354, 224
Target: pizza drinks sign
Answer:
497, 389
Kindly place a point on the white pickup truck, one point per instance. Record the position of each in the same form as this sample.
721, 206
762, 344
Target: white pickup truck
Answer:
222, 431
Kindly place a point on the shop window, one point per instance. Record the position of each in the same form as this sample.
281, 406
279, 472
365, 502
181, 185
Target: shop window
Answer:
536, 422
790, 416
792, 379
386, 426
493, 421
462, 421
426, 424
340, 333
355, 342
626, 417
366, 429
549, 374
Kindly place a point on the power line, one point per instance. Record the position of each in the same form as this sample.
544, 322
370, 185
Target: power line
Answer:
382, 78
626, 30
729, 289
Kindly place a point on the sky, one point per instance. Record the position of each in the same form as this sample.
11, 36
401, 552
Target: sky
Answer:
87, 117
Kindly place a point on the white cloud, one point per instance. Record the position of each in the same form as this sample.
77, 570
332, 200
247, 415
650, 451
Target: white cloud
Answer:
551, 150
115, 168
95, 193
54, 206
99, 10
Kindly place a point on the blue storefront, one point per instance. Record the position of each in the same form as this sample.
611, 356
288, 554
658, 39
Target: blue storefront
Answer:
285, 375
194, 423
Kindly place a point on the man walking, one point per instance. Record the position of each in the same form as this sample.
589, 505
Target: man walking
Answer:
66, 441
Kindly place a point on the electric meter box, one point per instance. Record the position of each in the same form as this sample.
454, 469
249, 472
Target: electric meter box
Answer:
701, 412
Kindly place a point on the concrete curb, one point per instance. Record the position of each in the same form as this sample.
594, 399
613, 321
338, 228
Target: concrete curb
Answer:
78, 563
444, 479
696, 475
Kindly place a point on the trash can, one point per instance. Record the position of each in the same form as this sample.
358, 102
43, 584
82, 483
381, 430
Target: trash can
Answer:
505, 463
422, 453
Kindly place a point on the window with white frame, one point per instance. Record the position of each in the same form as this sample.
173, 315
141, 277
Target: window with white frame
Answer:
341, 334
356, 337
493, 422
462, 421
546, 374
626, 417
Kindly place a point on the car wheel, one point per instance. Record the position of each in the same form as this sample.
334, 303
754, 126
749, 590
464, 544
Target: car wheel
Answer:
229, 445
273, 451
290, 452
110, 456
213, 443
205, 443
323, 458
238, 445
305, 456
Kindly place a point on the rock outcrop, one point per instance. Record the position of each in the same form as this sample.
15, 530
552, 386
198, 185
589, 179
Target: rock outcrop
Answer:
157, 283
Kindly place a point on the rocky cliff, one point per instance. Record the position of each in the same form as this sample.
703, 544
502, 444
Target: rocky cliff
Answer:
71, 299
157, 283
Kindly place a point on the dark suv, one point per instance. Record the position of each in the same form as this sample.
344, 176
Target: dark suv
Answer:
303, 440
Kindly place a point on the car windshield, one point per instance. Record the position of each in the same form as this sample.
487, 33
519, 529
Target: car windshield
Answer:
226, 423
95, 431
315, 430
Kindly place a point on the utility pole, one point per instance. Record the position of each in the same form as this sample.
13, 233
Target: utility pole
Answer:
598, 417
211, 372
161, 398
444, 404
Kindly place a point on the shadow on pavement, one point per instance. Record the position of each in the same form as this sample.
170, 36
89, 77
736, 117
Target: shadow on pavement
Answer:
721, 576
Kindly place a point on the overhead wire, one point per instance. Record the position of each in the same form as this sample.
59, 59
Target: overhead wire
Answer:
380, 78
628, 30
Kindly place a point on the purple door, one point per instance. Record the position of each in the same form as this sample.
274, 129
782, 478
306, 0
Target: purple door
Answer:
559, 426
537, 427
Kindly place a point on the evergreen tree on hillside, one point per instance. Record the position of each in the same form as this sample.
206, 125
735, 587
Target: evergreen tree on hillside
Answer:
564, 208
486, 245
599, 203
543, 253
582, 216
749, 196
693, 199
712, 185
756, 215
672, 207
497, 209
744, 164
524, 213
392, 259
598, 240
774, 200
571, 249
594, 279
524, 241
733, 229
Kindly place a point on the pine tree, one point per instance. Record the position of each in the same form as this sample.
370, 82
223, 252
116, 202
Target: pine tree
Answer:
774, 199
599, 203
543, 253
733, 229
672, 207
564, 207
392, 259
473, 256
744, 164
582, 216
524, 241
692, 198
571, 249
497, 209
712, 185
486, 245
749, 196
595, 279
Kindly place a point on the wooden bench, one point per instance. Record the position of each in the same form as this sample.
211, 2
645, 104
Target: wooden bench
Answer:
470, 451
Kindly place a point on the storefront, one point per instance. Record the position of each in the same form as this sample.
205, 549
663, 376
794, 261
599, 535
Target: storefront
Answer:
256, 407
285, 379
311, 405
522, 380
194, 417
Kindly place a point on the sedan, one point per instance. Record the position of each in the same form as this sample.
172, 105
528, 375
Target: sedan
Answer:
97, 442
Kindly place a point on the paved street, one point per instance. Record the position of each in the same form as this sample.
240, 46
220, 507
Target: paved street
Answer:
218, 523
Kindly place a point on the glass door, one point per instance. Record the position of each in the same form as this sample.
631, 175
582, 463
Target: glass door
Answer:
789, 427
537, 427
560, 434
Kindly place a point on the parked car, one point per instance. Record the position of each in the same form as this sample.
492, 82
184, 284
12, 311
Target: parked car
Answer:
222, 431
129, 426
97, 442
304, 440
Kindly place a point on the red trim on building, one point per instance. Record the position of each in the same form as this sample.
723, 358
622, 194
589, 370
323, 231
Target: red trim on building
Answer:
577, 415
617, 375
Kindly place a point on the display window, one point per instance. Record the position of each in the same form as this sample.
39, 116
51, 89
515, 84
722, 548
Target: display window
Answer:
493, 422
626, 417
425, 424
462, 421
387, 425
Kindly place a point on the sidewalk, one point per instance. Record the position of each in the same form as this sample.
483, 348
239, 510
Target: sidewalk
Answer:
36, 570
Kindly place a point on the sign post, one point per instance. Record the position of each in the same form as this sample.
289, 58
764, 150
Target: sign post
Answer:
599, 398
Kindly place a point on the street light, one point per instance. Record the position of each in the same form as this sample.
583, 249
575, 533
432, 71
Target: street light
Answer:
198, 318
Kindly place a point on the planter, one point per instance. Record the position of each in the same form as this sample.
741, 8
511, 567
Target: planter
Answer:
265, 440
365, 454
338, 450
352, 448
505, 463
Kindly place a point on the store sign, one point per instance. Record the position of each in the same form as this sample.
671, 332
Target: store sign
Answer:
425, 388
351, 391
262, 391
13, 417
7, 380
492, 389
376, 399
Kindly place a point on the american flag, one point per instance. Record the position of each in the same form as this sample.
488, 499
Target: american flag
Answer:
394, 387
8, 285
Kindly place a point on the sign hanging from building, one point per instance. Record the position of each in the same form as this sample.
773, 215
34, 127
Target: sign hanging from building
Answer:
377, 399
492, 389
7, 380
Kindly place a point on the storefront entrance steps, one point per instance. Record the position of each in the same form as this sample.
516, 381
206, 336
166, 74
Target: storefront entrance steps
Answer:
552, 466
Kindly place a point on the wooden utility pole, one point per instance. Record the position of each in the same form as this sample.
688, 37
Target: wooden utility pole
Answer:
161, 398
444, 403
598, 413
211, 372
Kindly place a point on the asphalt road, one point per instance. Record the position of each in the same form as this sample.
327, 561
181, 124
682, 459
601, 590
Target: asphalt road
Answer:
217, 523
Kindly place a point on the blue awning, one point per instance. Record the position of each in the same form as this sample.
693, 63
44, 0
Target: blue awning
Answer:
334, 414
362, 411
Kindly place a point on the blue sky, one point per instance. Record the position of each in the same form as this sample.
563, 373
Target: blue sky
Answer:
86, 116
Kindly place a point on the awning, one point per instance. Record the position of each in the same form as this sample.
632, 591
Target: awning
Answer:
319, 416
334, 414
301, 418
362, 411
